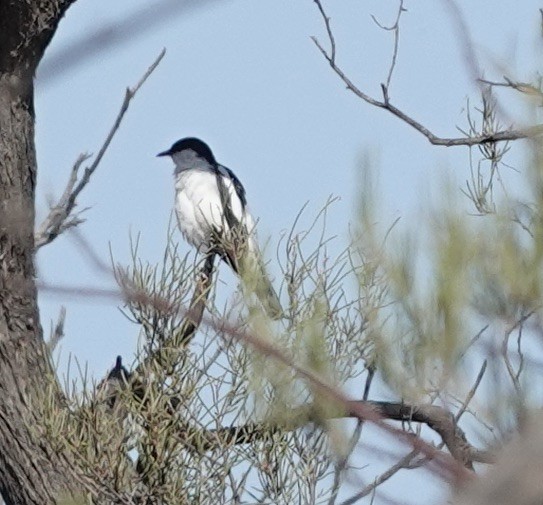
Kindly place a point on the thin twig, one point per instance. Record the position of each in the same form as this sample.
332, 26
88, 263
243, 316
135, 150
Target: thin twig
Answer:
58, 333
57, 220
471, 392
326, 20
522, 87
437, 418
340, 466
396, 29
500, 136
370, 488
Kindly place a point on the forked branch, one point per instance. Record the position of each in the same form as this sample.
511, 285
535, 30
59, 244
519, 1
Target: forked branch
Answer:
61, 216
385, 103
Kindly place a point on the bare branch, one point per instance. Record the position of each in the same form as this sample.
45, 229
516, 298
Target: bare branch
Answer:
342, 463
60, 217
57, 220
483, 138
438, 419
402, 463
471, 392
395, 28
326, 20
58, 333
522, 87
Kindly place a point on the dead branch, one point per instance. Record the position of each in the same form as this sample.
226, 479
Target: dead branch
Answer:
439, 420
370, 488
385, 103
395, 29
58, 332
60, 217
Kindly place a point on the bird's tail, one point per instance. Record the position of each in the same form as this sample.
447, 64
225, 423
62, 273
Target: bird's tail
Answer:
267, 295
256, 279
241, 252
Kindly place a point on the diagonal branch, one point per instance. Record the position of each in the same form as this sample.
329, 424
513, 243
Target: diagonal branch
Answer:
370, 488
170, 348
61, 216
192, 320
331, 38
119, 379
500, 136
435, 417
439, 419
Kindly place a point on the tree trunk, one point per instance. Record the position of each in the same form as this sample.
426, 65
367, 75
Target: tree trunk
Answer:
30, 471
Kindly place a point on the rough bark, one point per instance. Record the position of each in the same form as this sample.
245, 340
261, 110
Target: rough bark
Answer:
30, 471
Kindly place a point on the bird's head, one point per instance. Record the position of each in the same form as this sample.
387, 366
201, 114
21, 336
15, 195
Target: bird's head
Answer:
189, 150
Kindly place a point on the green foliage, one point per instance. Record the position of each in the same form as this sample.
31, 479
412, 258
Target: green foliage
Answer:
459, 286
164, 432
206, 419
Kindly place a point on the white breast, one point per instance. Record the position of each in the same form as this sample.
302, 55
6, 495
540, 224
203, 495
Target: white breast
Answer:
199, 209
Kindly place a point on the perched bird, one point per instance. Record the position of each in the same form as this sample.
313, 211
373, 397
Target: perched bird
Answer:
211, 209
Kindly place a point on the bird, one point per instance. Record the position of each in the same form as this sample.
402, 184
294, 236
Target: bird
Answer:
212, 214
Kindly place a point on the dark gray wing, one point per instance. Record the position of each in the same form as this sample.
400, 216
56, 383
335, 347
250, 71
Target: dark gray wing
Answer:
232, 246
232, 253
240, 190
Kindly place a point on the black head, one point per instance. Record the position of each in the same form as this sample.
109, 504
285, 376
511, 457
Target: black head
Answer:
194, 144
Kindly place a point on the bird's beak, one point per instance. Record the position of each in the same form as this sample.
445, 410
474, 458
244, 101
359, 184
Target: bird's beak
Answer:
164, 153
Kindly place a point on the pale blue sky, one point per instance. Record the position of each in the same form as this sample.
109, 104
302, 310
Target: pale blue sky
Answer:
245, 77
